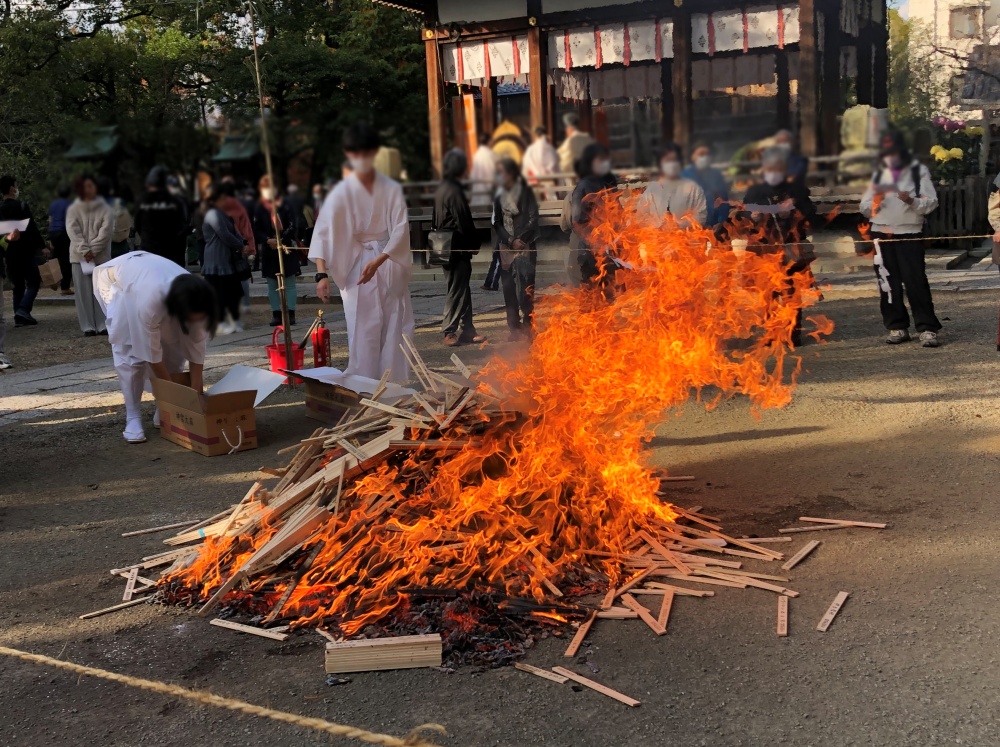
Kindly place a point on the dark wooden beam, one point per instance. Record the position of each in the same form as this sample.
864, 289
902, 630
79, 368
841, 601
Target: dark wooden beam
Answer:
832, 96
667, 102
809, 113
681, 80
437, 126
784, 100
880, 94
489, 110
537, 77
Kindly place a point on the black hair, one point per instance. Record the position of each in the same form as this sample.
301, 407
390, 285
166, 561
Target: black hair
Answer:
893, 141
190, 294
7, 183
591, 152
83, 179
702, 144
510, 166
227, 188
541, 131
484, 138
361, 136
64, 191
670, 148
455, 164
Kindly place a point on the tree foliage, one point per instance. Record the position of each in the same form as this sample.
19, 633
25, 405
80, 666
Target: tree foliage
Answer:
916, 87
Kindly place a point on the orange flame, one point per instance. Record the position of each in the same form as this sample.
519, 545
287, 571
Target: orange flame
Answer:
564, 472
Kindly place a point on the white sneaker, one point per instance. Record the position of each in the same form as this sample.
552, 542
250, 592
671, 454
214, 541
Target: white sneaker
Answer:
225, 329
929, 339
238, 327
134, 433
897, 336
156, 418
5, 362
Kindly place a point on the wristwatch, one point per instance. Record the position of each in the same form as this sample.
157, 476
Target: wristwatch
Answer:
321, 276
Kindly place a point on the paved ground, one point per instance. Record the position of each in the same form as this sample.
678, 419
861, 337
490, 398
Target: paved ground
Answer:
904, 435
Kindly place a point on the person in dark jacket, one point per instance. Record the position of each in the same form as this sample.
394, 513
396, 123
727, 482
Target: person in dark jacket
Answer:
222, 242
23, 249
161, 220
453, 214
515, 221
267, 250
596, 177
60, 239
787, 228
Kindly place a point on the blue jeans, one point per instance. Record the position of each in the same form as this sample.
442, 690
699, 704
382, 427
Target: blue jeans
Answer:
290, 293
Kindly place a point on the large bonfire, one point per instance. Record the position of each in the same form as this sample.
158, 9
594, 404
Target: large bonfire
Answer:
536, 486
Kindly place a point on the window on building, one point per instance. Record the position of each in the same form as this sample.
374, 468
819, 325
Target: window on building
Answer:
966, 23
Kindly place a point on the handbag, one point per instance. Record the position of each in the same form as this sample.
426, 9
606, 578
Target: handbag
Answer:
241, 266
440, 247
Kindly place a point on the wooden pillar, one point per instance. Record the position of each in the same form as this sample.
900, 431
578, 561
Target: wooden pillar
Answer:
831, 84
880, 94
550, 110
784, 100
489, 111
865, 52
437, 126
681, 81
585, 109
537, 77
809, 121
667, 101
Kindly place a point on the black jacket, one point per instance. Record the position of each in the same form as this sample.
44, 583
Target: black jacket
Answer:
263, 229
526, 222
582, 204
452, 213
23, 252
161, 221
794, 228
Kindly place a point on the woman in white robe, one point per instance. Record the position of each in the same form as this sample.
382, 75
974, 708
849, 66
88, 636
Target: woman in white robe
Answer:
159, 317
361, 242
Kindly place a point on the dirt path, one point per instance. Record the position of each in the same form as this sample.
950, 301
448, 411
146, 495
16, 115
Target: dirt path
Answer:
904, 435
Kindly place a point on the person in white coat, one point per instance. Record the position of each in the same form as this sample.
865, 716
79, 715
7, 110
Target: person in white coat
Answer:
160, 317
89, 224
898, 200
482, 173
682, 198
362, 243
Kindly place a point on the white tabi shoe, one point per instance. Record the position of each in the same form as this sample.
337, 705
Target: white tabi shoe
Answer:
134, 433
156, 418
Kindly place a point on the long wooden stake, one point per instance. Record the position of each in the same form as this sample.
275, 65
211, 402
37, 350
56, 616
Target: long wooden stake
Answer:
665, 605
844, 522
831, 613
800, 555
581, 633
597, 686
782, 616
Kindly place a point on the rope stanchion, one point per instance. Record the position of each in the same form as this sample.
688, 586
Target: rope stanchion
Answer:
316, 724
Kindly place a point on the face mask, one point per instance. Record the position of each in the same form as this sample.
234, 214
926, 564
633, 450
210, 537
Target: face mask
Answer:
892, 162
602, 167
362, 166
702, 162
787, 147
671, 169
267, 194
774, 178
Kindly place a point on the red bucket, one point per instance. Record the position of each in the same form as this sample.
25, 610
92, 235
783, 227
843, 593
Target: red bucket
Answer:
276, 354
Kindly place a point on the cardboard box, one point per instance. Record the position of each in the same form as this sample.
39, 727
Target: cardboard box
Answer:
225, 421
330, 393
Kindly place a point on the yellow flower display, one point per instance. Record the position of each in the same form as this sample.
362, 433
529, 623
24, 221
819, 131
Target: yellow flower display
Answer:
957, 153
936, 150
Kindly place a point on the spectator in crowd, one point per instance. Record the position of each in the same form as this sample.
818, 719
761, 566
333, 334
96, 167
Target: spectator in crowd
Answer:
798, 164
787, 227
223, 247
59, 238
161, 219
296, 207
4, 360
266, 238
993, 213
515, 221
483, 172
712, 183
22, 252
574, 145
159, 317
90, 223
897, 201
572, 263
318, 195
453, 215
121, 235
682, 198
540, 159
232, 207
595, 178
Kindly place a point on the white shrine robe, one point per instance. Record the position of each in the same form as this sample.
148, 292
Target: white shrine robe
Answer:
353, 228
540, 159
682, 198
483, 175
132, 291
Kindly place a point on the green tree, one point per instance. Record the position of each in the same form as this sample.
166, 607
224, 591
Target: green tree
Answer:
916, 88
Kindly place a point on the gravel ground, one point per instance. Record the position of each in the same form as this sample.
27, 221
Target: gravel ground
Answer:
904, 435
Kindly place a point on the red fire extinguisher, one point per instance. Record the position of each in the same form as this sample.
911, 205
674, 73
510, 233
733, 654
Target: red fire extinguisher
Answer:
321, 343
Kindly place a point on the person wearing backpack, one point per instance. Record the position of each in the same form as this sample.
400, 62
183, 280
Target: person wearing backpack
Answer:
897, 201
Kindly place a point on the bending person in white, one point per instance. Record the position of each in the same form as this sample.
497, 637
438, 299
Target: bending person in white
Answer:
362, 242
159, 316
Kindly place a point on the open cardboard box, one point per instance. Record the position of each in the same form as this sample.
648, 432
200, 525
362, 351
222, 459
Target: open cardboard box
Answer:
224, 421
330, 392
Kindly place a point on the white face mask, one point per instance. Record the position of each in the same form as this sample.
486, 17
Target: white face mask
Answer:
774, 178
702, 162
267, 194
892, 162
671, 169
363, 165
602, 167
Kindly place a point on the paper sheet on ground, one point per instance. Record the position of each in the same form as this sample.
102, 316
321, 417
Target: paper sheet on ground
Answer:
248, 379
356, 384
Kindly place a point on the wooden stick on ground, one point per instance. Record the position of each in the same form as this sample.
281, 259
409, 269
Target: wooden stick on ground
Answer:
229, 625
153, 530
800, 555
543, 673
817, 528
581, 633
621, 698
115, 608
869, 524
665, 605
633, 604
782, 616
831, 613
130, 585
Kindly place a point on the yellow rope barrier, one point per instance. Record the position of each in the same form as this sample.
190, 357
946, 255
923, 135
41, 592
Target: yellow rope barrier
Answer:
317, 724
